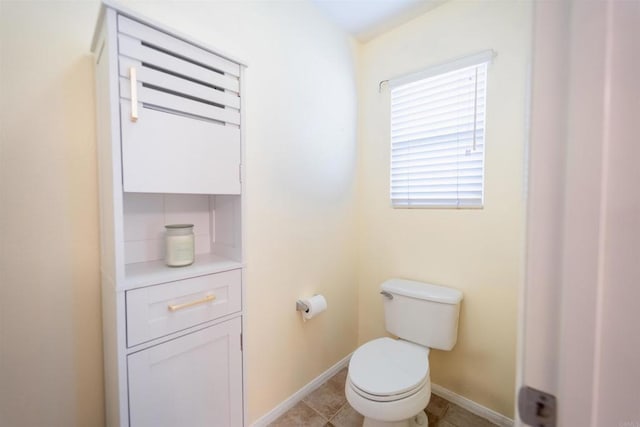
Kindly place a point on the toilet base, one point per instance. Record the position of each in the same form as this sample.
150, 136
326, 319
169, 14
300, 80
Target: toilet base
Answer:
419, 420
402, 411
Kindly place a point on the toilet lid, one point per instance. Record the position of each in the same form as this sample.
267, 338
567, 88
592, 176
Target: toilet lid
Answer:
386, 367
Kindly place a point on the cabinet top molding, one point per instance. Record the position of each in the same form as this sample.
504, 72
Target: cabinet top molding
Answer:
114, 5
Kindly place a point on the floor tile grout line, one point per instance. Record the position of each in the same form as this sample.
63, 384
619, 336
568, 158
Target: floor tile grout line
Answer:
338, 411
314, 410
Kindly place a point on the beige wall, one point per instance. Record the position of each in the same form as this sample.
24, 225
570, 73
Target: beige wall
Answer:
300, 155
50, 328
476, 251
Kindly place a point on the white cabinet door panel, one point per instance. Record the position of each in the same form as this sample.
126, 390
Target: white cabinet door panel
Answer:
194, 380
170, 153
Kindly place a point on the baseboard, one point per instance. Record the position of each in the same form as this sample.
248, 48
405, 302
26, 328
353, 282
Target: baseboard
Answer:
290, 402
472, 406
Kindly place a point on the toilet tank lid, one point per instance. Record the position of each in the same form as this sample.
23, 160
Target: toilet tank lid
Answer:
421, 290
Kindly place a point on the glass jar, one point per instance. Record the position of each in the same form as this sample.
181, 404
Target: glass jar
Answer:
180, 247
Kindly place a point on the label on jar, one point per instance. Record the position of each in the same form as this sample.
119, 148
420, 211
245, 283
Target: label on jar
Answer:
180, 250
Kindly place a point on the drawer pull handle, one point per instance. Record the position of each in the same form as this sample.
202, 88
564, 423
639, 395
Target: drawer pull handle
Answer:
176, 307
134, 94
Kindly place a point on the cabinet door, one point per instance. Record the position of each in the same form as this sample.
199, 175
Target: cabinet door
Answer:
180, 114
194, 380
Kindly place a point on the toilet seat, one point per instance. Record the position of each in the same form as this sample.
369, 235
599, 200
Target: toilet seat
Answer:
385, 370
390, 397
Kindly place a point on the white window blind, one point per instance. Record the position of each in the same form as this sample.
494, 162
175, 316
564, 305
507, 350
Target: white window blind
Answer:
437, 137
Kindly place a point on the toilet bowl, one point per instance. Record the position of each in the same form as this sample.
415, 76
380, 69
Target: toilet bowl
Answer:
388, 380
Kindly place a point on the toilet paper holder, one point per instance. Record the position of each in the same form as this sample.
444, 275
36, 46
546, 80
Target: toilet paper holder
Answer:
311, 307
301, 306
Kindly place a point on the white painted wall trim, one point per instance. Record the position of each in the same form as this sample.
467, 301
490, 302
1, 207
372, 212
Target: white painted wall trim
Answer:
292, 400
472, 406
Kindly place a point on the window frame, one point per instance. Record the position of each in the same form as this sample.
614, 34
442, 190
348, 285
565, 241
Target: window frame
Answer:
457, 65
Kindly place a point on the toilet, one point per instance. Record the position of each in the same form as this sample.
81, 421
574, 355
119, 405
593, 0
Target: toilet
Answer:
388, 380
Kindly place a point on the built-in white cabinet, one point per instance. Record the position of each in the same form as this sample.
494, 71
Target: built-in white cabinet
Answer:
169, 132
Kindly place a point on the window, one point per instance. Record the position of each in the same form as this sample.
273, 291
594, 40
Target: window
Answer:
437, 135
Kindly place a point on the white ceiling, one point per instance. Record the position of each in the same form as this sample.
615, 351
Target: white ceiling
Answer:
366, 19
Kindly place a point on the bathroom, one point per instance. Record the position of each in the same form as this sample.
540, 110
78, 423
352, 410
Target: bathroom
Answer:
317, 215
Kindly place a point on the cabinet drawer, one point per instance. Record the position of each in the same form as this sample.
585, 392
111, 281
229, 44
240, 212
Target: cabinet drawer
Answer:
163, 309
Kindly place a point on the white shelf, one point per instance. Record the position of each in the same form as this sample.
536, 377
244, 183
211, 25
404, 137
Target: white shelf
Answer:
149, 273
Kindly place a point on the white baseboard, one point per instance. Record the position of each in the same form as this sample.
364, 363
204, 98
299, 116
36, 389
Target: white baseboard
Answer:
290, 402
472, 406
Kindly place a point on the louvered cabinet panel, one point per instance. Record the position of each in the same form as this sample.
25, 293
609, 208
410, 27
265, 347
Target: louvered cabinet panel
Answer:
170, 43
180, 114
150, 78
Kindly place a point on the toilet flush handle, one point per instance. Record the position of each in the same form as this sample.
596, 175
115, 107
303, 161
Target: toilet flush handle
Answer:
386, 294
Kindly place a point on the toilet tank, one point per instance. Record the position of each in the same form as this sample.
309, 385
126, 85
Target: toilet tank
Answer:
422, 313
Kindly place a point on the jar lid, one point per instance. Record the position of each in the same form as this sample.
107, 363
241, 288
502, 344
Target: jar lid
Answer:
174, 226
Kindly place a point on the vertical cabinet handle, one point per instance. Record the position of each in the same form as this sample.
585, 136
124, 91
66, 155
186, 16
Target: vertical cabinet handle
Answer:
134, 94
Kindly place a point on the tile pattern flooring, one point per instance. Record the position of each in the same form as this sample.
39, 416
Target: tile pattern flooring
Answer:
327, 406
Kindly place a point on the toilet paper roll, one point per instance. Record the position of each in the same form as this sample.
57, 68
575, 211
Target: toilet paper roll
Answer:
317, 304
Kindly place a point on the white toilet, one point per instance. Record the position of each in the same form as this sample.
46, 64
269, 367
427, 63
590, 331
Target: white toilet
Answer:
388, 381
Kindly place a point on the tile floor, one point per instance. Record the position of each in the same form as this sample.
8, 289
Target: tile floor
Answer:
328, 407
